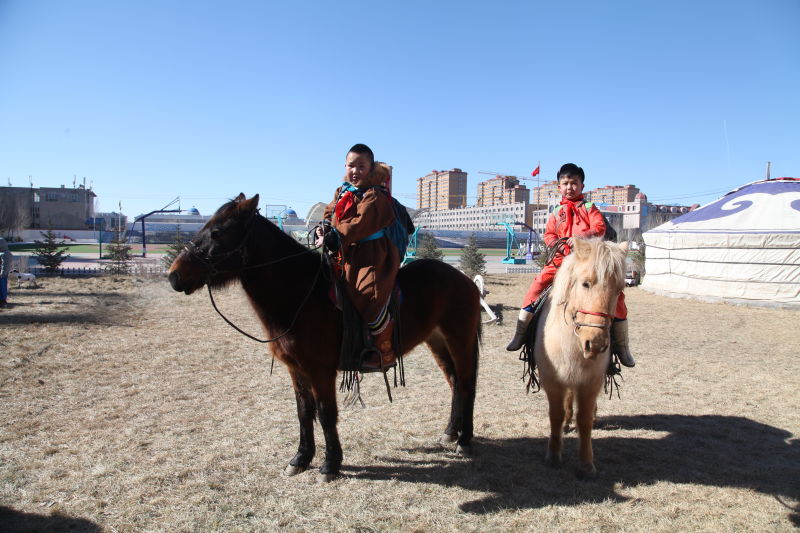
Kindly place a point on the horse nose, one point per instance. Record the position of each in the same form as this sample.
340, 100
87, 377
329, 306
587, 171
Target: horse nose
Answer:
175, 280
589, 349
593, 347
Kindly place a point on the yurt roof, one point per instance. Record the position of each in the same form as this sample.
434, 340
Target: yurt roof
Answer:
760, 206
742, 248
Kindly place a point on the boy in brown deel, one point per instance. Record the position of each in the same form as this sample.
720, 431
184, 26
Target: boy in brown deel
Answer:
574, 217
359, 214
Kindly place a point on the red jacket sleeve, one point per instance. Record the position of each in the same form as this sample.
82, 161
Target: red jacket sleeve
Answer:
597, 226
373, 213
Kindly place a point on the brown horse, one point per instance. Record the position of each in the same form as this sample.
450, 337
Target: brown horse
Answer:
572, 346
282, 279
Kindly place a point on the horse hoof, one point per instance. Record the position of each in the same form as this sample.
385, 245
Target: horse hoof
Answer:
464, 450
552, 460
326, 478
292, 470
446, 439
586, 473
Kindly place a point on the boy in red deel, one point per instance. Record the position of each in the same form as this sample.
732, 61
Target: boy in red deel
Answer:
574, 217
359, 214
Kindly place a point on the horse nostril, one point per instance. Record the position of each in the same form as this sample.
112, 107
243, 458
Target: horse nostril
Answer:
175, 280
587, 346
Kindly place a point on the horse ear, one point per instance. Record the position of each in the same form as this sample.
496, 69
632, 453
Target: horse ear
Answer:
241, 198
582, 248
624, 246
249, 206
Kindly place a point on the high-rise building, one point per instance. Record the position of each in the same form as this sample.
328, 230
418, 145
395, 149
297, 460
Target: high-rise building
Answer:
502, 190
613, 194
442, 189
541, 195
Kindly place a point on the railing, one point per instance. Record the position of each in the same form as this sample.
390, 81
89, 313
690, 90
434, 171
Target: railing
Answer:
135, 270
527, 269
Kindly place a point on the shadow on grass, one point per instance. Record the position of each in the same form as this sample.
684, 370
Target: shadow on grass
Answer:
25, 319
721, 451
71, 294
16, 521
101, 309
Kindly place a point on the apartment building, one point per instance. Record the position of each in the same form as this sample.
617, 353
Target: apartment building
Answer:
613, 194
542, 194
476, 218
59, 207
442, 189
502, 190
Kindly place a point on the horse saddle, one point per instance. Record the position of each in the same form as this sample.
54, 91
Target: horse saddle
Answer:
356, 339
530, 337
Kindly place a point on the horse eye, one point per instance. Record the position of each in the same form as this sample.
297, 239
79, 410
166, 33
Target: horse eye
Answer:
215, 234
586, 285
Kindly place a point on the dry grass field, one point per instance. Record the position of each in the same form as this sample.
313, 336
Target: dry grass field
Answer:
128, 407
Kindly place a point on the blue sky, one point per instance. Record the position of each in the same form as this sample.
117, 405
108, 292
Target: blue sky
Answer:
150, 100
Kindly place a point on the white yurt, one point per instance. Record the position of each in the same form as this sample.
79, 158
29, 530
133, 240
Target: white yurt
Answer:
743, 248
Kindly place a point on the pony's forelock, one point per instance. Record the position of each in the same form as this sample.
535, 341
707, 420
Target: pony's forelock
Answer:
610, 264
609, 267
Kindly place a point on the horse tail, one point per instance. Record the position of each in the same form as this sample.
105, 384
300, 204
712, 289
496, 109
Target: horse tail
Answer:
478, 345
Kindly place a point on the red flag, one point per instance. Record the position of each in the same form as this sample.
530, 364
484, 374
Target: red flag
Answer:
535, 172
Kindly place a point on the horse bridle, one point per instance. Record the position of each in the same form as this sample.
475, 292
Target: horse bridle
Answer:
191, 249
603, 325
558, 246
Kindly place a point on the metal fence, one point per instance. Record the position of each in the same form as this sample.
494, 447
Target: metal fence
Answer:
527, 269
75, 272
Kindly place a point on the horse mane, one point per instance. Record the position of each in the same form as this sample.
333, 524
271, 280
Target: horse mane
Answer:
235, 205
608, 263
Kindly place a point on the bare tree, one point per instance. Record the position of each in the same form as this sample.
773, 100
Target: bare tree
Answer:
14, 217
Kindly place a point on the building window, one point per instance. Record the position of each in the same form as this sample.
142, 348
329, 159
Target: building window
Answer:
51, 197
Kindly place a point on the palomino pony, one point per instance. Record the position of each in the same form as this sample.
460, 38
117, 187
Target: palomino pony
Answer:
289, 292
572, 345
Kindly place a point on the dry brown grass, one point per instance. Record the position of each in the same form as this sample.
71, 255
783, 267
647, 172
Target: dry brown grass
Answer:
128, 407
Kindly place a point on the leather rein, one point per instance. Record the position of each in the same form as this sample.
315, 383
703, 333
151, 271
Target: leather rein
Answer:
191, 249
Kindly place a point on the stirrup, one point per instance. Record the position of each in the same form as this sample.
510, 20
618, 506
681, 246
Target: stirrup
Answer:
377, 362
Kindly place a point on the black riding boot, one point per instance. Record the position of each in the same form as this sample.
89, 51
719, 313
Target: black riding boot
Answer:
522, 331
619, 342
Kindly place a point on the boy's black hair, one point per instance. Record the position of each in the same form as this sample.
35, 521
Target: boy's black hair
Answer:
363, 149
572, 170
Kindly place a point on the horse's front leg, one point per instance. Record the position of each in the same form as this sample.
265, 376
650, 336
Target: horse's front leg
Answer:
555, 400
569, 410
325, 393
587, 402
306, 410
